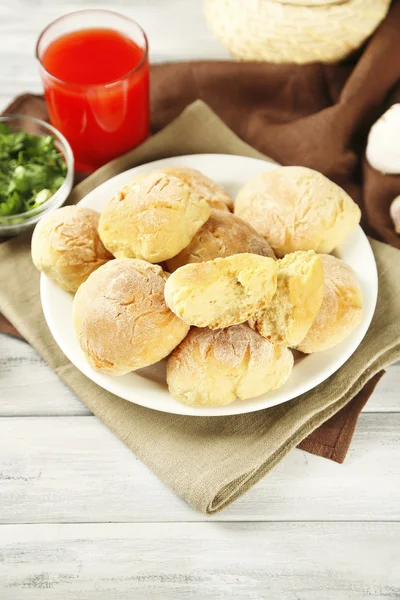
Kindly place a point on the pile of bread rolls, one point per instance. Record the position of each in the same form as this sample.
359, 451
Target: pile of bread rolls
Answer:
168, 270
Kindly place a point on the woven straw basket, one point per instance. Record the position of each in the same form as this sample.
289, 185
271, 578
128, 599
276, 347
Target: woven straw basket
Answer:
299, 31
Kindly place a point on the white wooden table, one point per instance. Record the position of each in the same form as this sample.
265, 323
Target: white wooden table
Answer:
81, 518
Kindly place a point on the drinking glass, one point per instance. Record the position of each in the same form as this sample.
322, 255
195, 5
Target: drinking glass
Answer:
100, 121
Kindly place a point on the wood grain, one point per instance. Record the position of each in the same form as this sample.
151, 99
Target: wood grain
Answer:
200, 560
39, 391
29, 387
72, 469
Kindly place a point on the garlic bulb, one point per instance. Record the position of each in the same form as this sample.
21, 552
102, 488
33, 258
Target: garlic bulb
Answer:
383, 147
395, 213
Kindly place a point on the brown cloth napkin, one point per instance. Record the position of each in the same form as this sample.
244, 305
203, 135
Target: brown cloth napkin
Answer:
209, 461
316, 115
332, 439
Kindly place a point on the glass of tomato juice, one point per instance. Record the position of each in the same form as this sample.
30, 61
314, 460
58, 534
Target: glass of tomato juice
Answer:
95, 71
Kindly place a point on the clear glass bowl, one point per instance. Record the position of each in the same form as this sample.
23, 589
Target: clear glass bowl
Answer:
14, 224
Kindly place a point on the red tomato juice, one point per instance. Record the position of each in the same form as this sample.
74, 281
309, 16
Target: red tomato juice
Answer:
97, 91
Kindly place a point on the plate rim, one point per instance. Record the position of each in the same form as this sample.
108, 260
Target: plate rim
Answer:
183, 409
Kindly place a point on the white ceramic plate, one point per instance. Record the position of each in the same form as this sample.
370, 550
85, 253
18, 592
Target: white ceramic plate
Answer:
147, 387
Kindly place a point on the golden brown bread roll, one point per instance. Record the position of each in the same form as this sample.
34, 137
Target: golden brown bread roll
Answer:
341, 310
222, 235
214, 193
153, 218
211, 368
221, 292
121, 319
296, 208
66, 246
292, 310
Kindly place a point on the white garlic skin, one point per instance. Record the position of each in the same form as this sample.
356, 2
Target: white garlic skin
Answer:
383, 147
395, 213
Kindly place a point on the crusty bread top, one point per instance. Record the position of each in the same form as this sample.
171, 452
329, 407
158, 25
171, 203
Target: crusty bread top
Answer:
222, 235
152, 218
341, 309
66, 246
121, 319
216, 196
296, 208
216, 367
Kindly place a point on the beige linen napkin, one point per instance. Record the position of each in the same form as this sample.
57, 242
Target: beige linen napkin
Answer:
209, 461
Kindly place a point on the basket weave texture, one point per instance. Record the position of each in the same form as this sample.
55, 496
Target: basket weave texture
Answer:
299, 31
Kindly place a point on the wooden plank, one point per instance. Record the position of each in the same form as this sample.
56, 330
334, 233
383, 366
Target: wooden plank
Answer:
28, 387
289, 561
72, 469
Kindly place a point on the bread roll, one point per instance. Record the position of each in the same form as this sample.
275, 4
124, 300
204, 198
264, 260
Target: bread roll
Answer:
120, 317
291, 312
66, 246
222, 235
153, 218
212, 368
221, 292
296, 208
214, 193
341, 310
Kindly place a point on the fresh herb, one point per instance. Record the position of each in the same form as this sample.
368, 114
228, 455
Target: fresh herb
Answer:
31, 171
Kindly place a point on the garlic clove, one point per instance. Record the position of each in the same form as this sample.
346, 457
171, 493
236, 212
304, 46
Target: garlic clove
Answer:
395, 213
383, 147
